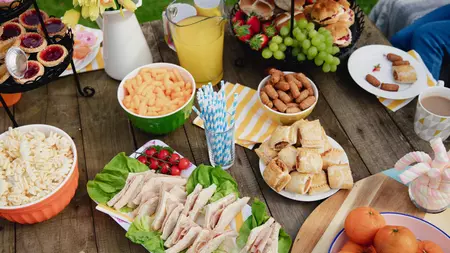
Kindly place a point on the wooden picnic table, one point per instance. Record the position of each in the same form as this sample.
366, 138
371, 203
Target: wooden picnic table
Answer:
373, 137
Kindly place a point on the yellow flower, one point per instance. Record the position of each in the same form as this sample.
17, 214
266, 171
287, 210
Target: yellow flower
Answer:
106, 4
71, 18
128, 4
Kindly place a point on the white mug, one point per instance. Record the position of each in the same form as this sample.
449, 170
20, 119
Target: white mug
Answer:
428, 125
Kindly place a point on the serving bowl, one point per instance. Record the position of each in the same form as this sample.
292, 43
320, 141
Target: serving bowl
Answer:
52, 204
421, 228
287, 118
159, 124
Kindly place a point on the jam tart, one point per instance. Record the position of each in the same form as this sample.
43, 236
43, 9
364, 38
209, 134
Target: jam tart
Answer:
54, 27
11, 31
30, 19
4, 46
52, 55
4, 74
35, 70
31, 43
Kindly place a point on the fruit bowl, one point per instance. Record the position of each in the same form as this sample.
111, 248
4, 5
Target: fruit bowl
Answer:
290, 61
421, 228
159, 124
52, 204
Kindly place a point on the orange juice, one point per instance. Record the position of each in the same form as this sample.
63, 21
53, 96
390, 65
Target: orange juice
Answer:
199, 44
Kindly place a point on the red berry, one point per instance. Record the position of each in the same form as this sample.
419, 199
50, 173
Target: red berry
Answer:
184, 163
150, 152
164, 168
174, 158
153, 164
175, 171
142, 159
163, 154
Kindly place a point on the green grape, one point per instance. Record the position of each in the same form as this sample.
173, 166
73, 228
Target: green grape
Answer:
321, 37
312, 51
295, 51
295, 43
279, 55
310, 26
329, 50
288, 41
284, 31
277, 39
335, 50
336, 61
322, 55
328, 43
266, 53
329, 59
333, 68
304, 51
309, 57
302, 23
329, 38
326, 33
322, 30
301, 57
306, 44
315, 41
282, 47
296, 31
300, 37
312, 34
322, 47
273, 46
318, 61
326, 67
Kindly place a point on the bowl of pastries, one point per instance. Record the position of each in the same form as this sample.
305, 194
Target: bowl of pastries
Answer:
302, 163
287, 96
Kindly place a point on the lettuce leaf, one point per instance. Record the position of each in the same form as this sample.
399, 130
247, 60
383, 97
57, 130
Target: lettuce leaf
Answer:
208, 175
112, 178
141, 233
259, 216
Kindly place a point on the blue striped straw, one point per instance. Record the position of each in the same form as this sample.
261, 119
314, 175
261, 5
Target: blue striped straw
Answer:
233, 109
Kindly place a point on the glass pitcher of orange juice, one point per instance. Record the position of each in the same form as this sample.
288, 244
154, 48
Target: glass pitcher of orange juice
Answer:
195, 30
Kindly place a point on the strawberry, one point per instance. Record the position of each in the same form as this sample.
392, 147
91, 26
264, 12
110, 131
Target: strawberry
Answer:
238, 23
258, 41
240, 15
269, 29
254, 23
243, 32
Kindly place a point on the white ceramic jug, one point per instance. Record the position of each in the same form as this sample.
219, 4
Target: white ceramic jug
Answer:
124, 44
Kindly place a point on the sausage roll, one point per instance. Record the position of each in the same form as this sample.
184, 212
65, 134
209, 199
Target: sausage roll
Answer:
277, 175
319, 183
289, 156
300, 183
340, 176
265, 153
333, 156
282, 137
404, 74
309, 161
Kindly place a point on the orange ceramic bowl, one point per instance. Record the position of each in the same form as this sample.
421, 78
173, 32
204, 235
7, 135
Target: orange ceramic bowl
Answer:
57, 200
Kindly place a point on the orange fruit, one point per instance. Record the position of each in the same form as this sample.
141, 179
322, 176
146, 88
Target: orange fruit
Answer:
362, 224
351, 247
394, 239
429, 247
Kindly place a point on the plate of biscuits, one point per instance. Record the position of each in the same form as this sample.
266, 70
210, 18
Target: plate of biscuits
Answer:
387, 72
302, 163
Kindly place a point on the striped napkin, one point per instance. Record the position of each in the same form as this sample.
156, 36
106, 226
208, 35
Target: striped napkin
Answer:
96, 64
394, 105
253, 125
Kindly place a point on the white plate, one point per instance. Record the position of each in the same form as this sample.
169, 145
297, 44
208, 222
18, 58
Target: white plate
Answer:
421, 228
306, 197
363, 60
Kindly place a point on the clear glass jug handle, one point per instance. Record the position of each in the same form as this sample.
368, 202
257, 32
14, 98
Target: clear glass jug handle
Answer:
167, 33
172, 15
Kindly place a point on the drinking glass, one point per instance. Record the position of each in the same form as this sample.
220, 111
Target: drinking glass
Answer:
221, 148
195, 30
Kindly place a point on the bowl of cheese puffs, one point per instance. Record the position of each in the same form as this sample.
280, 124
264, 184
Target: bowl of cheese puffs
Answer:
157, 97
287, 96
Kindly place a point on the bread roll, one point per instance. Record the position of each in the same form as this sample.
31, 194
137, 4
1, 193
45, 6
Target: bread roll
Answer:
261, 8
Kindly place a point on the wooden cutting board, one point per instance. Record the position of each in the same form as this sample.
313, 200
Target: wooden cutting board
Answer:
378, 191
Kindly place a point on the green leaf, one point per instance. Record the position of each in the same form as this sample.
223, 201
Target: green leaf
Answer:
141, 233
259, 217
208, 175
112, 178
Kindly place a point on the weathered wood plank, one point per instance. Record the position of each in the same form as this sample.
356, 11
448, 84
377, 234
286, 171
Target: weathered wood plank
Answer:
106, 132
59, 107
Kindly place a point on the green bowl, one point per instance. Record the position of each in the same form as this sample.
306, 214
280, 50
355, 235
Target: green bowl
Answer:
165, 123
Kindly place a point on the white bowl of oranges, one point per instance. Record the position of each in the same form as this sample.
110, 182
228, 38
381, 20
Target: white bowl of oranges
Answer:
157, 97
